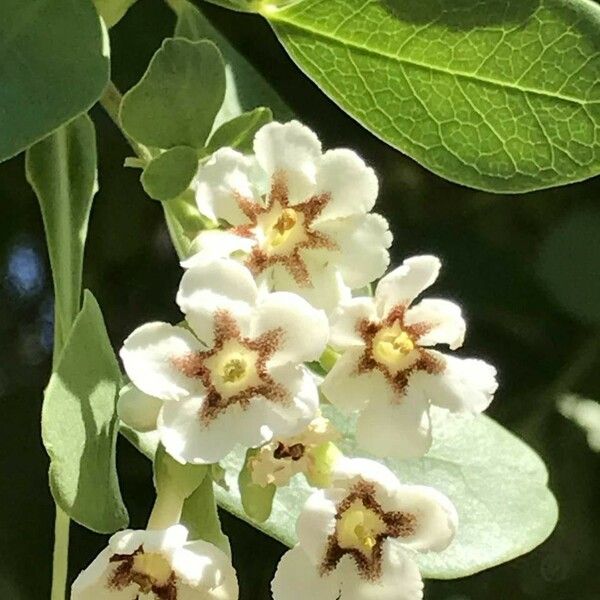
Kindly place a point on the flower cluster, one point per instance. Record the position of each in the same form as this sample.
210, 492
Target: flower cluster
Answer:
281, 279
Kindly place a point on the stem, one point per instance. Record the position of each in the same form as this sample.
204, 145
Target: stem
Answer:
60, 562
167, 509
111, 102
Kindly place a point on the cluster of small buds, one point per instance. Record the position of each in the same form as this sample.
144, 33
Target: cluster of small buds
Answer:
264, 294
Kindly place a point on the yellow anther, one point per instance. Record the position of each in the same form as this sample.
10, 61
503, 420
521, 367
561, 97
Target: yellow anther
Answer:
283, 226
393, 347
153, 565
234, 370
359, 528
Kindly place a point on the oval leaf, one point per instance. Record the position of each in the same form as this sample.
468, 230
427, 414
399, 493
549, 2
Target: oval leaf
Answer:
53, 66
62, 171
170, 173
498, 484
246, 87
177, 99
501, 96
79, 425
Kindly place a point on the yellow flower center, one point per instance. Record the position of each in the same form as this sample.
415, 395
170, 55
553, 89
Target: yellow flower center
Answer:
234, 370
283, 229
359, 527
154, 566
394, 348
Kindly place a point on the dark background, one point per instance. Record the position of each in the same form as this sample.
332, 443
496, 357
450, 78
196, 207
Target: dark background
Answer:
542, 336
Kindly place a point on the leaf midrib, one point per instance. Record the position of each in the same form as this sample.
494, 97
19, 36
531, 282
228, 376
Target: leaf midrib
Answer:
278, 18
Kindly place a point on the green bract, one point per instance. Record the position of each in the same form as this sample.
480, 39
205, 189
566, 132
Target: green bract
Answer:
502, 95
170, 173
79, 425
239, 132
497, 483
53, 66
177, 99
257, 501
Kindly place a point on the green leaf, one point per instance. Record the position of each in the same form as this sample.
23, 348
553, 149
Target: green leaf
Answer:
79, 425
246, 87
170, 173
62, 171
169, 475
569, 265
239, 132
177, 99
53, 66
501, 96
201, 518
239, 5
112, 11
256, 500
498, 484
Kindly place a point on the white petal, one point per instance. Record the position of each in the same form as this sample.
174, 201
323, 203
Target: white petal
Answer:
297, 578
327, 290
406, 282
349, 390
304, 329
444, 318
292, 150
92, 582
187, 439
221, 181
348, 471
153, 540
436, 517
302, 409
362, 241
465, 385
397, 429
345, 320
400, 578
317, 522
138, 410
216, 285
148, 355
352, 185
203, 566
216, 243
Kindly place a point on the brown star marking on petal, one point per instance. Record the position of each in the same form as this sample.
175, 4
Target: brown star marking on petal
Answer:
125, 574
398, 524
260, 259
194, 365
426, 361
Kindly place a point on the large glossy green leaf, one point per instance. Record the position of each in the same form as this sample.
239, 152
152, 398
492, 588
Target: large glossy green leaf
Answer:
177, 99
502, 95
62, 171
246, 87
79, 425
53, 66
498, 484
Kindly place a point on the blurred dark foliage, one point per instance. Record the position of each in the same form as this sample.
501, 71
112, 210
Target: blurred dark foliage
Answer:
489, 245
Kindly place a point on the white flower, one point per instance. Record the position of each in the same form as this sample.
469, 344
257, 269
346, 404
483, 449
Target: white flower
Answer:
356, 539
237, 376
297, 217
307, 452
157, 565
388, 371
